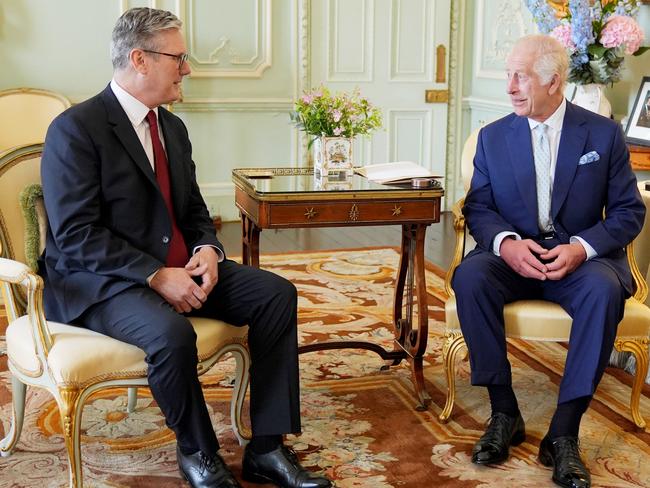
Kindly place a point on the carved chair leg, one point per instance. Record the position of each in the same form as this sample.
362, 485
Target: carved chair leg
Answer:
70, 410
453, 346
638, 347
242, 361
18, 392
132, 399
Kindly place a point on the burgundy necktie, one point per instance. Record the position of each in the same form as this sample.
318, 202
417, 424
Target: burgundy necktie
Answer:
177, 255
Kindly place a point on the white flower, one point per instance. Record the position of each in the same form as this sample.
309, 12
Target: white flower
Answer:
108, 418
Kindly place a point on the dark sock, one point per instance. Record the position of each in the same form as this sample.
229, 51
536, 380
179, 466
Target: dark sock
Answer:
261, 444
566, 420
503, 400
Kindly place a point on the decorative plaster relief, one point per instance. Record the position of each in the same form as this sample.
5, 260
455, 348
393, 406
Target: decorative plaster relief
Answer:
408, 36
350, 29
227, 39
496, 31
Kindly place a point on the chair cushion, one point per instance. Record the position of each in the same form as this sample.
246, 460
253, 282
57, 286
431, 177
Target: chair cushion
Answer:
80, 357
546, 321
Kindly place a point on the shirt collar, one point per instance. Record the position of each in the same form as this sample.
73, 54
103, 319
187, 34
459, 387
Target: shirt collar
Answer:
135, 110
555, 121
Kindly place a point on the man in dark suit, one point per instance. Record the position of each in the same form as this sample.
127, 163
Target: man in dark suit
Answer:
131, 251
543, 176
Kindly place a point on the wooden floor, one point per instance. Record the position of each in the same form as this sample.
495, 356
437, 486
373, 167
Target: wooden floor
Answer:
438, 250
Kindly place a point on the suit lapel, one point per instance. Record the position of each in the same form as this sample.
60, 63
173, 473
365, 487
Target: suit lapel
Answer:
123, 129
572, 144
175, 160
523, 166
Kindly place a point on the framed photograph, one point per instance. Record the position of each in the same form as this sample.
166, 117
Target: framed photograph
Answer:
638, 123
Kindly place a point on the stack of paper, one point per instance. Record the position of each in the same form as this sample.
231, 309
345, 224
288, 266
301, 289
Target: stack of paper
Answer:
398, 172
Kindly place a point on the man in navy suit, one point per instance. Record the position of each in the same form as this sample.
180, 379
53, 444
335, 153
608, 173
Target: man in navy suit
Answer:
131, 251
552, 204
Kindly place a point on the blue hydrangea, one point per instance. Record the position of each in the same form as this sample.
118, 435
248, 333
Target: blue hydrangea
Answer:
582, 33
543, 14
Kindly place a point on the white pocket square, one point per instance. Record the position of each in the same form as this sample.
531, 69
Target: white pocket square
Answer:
590, 157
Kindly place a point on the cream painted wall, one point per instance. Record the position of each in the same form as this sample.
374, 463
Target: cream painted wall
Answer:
246, 59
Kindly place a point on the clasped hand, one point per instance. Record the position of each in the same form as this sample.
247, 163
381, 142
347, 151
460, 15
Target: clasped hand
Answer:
177, 285
527, 258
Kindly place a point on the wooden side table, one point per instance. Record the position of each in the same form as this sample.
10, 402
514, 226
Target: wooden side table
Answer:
639, 157
279, 198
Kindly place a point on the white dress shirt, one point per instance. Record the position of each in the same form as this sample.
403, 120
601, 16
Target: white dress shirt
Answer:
554, 131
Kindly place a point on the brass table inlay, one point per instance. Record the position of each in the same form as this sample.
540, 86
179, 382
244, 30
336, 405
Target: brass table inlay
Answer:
354, 212
397, 210
310, 213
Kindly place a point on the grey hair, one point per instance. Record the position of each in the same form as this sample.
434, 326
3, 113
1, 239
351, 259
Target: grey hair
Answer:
137, 28
550, 58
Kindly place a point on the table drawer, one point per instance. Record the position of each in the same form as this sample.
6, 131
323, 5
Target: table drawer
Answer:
353, 212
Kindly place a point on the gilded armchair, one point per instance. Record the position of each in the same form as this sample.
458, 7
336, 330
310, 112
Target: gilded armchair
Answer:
539, 320
25, 115
72, 362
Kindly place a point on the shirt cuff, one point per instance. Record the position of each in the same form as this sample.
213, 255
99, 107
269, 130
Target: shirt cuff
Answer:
496, 244
220, 255
591, 252
150, 277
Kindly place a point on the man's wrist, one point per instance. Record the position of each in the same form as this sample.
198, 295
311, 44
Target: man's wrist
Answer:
151, 276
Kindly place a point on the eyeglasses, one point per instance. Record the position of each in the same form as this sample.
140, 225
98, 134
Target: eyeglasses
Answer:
181, 58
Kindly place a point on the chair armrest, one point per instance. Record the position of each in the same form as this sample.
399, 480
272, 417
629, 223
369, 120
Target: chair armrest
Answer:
641, 292
15, 272
459, 248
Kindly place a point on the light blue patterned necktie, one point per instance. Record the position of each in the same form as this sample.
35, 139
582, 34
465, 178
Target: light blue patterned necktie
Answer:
542, 155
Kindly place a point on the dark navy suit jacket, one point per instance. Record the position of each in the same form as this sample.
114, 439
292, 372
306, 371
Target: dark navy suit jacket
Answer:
503, 196
109, 226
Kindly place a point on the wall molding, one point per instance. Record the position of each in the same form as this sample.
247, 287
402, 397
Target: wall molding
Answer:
225, 52
234, 105
455, 136
367, 44
486, 104
425, 74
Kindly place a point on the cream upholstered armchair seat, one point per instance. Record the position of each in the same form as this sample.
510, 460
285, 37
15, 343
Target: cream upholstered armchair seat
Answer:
72, 362
25, 115
539, 320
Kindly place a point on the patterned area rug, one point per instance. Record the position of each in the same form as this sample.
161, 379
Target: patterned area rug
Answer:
359, 424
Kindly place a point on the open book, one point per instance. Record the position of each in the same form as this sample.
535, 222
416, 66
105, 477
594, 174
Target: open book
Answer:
399, 172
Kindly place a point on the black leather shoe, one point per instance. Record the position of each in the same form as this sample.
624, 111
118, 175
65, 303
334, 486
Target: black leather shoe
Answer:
280, 467
502, 432
563, 454
203, 471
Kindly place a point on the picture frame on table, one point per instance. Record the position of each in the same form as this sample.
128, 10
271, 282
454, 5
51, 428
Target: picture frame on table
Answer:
638, 123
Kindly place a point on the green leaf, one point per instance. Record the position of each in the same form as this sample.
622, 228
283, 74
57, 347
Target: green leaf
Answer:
641, 50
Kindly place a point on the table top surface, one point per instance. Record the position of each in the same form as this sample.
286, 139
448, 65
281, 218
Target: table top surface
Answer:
280, 183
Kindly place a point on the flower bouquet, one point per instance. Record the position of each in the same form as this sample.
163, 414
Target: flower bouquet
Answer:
319, 113
596, 33
334, 120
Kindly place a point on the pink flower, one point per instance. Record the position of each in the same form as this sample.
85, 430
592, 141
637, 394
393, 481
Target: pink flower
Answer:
622, 31
307, 99
563, 34
336, 115
337, 131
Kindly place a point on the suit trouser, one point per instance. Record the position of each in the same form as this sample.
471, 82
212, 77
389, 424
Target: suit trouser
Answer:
592, 295
264, 301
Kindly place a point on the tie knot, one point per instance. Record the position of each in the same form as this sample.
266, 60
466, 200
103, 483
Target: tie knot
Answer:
151, 118
541, 129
